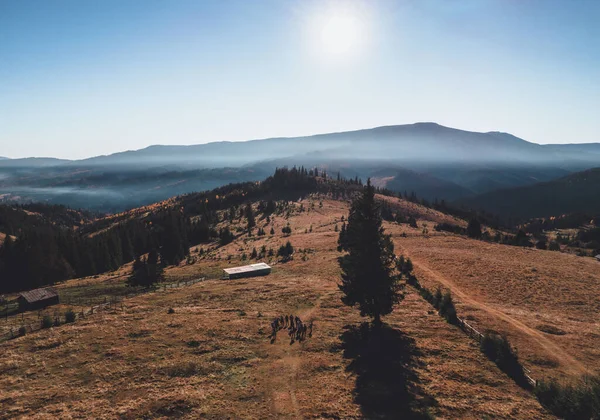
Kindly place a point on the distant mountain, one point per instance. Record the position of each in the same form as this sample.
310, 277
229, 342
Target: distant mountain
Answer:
30, 162
433, 160
421, 143
578, 192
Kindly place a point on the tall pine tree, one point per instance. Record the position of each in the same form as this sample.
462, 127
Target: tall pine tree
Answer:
368, 279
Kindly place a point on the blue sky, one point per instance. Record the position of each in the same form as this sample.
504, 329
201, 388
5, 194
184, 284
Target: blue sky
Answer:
80, 78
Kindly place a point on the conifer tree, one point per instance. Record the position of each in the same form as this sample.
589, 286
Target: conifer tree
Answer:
250, 218
368, 280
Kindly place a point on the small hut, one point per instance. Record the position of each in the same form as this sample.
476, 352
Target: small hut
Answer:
37, 298
252, 270
598, 257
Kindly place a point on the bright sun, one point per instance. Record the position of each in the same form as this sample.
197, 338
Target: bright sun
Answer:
339, 34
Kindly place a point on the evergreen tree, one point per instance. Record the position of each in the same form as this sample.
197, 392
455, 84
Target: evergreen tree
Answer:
368, 280
474, 229
250, 218
139, 273
155, 269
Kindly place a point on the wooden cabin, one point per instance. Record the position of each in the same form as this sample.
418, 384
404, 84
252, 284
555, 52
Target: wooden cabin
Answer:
38, 298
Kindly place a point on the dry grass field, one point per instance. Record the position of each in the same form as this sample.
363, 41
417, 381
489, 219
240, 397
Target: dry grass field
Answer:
546, 302
212, 358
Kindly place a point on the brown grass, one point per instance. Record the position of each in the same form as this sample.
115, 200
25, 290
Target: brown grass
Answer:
212, 357
546, 302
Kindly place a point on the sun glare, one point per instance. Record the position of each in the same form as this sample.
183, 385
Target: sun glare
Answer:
339, 34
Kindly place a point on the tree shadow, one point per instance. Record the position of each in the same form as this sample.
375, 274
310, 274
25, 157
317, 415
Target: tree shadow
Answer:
384, 361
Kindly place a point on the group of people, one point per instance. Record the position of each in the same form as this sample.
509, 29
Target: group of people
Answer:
297, 330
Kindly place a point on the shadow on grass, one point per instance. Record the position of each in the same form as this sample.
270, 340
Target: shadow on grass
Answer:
384, 361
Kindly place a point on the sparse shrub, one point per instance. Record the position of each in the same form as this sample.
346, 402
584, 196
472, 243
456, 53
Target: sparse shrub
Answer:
70, 316
244, 257
412, 222
56, 322
554, 246
448, 227
193, 343
22, 331
437, 298
286, 230
285, 251
46, 321
474, 229
336, 229
272, 232
497, 348
580, 400
171, 311
447, 309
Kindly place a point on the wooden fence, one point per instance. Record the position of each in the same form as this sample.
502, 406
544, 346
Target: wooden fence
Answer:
477, 336
114, 303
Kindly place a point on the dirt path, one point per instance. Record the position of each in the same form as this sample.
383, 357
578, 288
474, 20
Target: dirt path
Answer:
571, 365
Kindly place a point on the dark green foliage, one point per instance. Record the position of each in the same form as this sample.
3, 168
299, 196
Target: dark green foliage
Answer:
554, 246
437, 298
412, 222
447, 309
542, 243
474, 229
225, 236
22, 331
342, 239
70, 316
521, 239
171, 311
404, 266
271, 252
46, 321
576, 401
147, 271
254, 254
286, 230
285, 251
448, 227
272, 232
497, 348
368, 280
249, 213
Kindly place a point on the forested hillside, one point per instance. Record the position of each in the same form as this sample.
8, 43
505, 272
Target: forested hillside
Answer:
575, 193
45, 251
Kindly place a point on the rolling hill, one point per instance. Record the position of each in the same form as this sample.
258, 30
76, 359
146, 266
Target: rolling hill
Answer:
433, 160
578, 192
202, 349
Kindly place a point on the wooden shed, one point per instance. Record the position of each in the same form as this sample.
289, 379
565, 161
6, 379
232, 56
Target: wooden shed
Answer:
598, 257
252, 270
38, 298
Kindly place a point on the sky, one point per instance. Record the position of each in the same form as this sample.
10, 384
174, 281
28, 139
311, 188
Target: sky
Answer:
81, 78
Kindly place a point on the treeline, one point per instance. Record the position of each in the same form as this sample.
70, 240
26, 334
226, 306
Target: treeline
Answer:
48, 249
42, 256
14, 217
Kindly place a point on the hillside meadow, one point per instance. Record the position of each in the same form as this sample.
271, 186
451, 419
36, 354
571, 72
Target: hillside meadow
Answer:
212, 357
